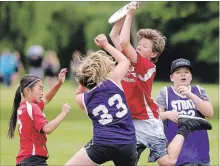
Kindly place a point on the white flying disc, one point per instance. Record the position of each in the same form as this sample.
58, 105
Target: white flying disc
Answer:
119, 14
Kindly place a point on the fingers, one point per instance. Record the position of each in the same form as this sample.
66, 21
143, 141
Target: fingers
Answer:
96, 41
176, 120
133, 5
99, 36
62, 74
182, 89
67, 104
63, 71
100, 40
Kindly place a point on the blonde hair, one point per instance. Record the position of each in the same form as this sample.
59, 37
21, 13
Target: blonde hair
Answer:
93, 69
157, 38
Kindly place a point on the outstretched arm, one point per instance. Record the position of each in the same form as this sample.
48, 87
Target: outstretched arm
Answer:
162, 104
127, 48
115, 33
123, 63
52, 125
52, 92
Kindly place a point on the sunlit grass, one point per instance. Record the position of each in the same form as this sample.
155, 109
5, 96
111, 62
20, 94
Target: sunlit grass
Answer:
76, 129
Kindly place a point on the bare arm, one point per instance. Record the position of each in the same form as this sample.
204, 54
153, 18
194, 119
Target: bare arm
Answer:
161, 102
168, 115
52, 92
79, 97
52, 125
162, 114
123, 63
204, 107
79, 101
128, 49
81, 89
115, 33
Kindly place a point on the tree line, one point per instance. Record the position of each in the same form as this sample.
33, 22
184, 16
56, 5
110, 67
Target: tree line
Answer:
191, 28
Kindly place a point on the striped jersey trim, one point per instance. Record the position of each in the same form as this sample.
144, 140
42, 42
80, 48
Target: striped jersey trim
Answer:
149, 111
148, 75
29, 109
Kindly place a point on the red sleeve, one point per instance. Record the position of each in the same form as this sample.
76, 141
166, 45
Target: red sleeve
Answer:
38, 118
144, 68
41, 105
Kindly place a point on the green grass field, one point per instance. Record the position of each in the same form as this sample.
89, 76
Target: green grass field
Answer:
76, 129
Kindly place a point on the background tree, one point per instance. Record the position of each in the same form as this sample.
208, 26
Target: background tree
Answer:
192, 30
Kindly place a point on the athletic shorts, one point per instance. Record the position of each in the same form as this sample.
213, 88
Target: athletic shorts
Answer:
33, 161
150, 134
121, 155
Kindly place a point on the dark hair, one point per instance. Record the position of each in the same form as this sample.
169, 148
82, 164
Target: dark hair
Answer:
28, 81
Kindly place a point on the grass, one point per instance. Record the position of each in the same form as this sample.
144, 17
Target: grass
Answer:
76, 129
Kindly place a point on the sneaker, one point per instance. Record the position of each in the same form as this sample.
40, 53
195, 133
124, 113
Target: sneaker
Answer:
194, 123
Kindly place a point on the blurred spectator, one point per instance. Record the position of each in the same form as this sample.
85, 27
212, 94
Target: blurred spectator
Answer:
35, 58
8, 67
51, 66
19, 68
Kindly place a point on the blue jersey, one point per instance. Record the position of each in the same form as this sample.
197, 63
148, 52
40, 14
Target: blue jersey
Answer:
196, 146
107, 108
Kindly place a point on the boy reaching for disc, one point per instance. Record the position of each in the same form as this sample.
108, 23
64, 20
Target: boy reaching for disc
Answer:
137, 87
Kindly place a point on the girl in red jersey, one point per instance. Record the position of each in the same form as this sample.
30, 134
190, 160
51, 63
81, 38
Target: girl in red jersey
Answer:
27, 111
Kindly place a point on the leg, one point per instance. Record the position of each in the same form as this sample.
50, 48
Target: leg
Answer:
92, 154
126, 155
147, 131
173, 149
14, 78
187, 125
140, 148
80, 158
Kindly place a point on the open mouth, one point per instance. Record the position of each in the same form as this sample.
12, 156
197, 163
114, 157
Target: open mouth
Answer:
183, 79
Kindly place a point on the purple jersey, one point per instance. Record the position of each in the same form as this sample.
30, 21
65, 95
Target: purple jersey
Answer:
196, 146
107, 107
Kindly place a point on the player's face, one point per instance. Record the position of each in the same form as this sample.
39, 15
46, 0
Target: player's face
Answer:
37, 92
145, 48
181, 76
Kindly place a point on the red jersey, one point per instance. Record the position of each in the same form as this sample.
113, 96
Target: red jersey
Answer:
31, 119
137, 87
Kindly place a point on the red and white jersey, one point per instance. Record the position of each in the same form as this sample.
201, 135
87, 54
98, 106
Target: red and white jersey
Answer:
31, 119
137, 87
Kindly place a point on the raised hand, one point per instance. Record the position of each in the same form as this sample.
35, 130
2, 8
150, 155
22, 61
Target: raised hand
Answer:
184, 90
66, 108
173, 116
132, 6
62, 75
101, 41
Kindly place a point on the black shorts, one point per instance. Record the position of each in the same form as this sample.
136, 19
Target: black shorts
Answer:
34, 161
121, 155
